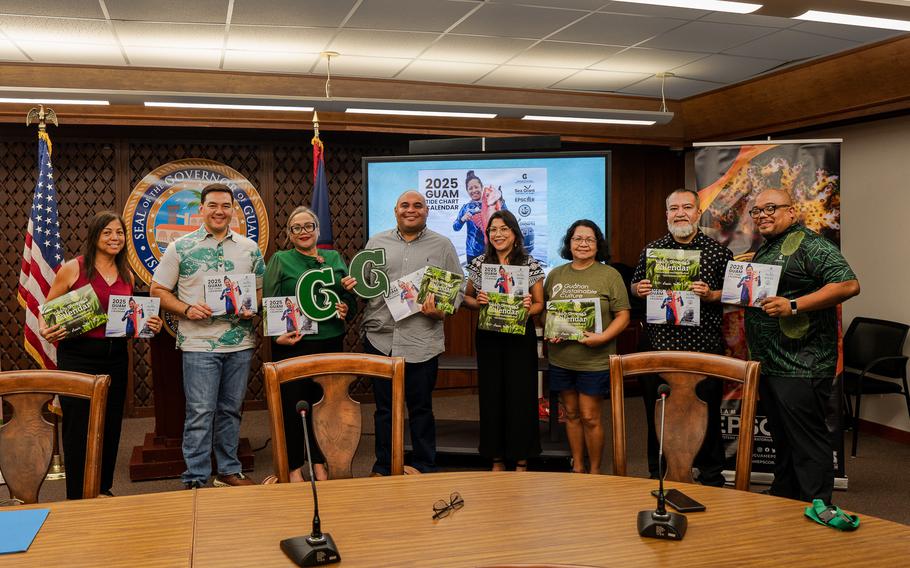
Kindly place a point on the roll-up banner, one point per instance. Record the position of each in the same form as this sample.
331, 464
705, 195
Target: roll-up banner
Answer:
729, 176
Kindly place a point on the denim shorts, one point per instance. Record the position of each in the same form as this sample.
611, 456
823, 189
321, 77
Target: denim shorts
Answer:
593, 383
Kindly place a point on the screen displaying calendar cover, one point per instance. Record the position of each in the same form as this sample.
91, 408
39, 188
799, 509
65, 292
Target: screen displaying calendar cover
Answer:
545, 192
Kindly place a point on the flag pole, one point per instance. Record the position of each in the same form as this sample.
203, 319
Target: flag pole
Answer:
41, 115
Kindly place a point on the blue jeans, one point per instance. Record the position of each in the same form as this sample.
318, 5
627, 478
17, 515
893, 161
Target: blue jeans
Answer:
214, 385
419, 381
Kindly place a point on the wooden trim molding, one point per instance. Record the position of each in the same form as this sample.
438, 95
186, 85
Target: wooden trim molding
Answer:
863, 82
883, 431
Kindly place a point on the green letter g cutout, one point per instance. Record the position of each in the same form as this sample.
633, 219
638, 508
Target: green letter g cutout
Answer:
317, 300
371, 281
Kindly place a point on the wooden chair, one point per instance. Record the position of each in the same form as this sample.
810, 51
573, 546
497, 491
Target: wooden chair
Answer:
336, 418
27, 439
686, 414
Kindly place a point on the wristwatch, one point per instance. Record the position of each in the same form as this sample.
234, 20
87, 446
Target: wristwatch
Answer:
792, 307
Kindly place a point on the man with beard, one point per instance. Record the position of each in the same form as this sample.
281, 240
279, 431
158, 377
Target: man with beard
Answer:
683, 212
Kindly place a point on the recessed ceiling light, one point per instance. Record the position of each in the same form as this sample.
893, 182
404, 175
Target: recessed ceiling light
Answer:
850, 20
713, 5
421, 113
590, 120
55, 102
229, 106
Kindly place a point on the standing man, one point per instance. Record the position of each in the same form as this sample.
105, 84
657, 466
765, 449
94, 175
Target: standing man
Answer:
418, 338
794, 336
216, 350
683, 213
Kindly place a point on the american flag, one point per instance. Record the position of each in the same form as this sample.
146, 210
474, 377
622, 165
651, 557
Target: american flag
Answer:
320, 204
41, 257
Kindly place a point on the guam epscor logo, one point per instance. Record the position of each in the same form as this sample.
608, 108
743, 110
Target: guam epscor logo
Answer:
164, 206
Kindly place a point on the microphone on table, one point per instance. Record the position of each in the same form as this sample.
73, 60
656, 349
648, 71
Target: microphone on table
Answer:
661, 523
318, 548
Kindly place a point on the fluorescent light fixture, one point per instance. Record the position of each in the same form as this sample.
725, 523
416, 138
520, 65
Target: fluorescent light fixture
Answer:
590, 120
849, 20
229, 107
421, 113
713, 5
55, 102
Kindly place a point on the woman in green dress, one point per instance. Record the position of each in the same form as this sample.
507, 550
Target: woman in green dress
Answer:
281, 275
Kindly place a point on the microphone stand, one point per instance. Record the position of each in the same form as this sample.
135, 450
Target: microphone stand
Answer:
661, 523
318, 548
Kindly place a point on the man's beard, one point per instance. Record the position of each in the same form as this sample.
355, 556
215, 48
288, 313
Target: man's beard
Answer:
681, 231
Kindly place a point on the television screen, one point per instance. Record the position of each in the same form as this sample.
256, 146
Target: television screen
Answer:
546, 192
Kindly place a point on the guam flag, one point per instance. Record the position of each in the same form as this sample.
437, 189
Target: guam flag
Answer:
320, 203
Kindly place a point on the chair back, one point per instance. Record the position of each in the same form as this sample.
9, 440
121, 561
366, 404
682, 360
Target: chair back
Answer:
868, 339
336, 418
686, 415
27, 439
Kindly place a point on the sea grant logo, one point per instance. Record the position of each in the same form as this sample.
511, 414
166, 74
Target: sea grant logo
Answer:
164, 206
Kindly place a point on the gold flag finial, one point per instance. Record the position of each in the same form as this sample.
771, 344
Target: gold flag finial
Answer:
41, 116
316, 124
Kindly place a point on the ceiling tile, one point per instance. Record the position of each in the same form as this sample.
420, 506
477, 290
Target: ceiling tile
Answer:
78, 53
34, 28
414, 15
725, 68
197, 11
707, 37
660, 11
444, 71
179, 35
616, 29
356, 66
9, 52
308, 13
599, 80
675, 88
59, 8
750, 20
269, 61
176, 58
380, 43
563, 54
788, 45
643, 60
525, 77
586, 5
853, 33
266, 38
476, 49
516, 21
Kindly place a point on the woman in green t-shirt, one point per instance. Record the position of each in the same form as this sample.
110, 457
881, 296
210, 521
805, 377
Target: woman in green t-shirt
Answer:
580, 370
281, 275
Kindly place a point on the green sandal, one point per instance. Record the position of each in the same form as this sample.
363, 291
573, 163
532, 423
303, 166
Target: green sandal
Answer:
831, 516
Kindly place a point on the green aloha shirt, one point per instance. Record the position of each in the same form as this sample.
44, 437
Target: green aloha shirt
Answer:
804, 345
185, 265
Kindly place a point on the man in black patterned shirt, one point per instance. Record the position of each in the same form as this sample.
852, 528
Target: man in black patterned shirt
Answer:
683, 213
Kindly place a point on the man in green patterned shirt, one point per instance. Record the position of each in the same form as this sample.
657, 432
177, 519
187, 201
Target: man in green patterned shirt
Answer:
794, 336
216, 349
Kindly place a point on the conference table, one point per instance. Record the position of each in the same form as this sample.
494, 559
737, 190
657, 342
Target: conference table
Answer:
507, 518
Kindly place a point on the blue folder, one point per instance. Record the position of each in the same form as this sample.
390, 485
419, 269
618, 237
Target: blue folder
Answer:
18, 528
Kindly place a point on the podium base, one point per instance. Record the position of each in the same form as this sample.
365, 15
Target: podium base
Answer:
162, 458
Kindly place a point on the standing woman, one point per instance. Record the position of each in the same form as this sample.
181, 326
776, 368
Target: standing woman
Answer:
281, 275
507, 363
580, 370
103, 266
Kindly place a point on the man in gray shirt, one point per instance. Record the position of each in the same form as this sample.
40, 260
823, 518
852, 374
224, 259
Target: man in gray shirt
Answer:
418, 338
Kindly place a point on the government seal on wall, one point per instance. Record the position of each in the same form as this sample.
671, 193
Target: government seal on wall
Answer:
164, 206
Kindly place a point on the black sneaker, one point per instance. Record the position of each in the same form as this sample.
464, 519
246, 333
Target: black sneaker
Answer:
196, 484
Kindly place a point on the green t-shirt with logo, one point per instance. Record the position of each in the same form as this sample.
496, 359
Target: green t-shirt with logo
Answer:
596, 281
804, 345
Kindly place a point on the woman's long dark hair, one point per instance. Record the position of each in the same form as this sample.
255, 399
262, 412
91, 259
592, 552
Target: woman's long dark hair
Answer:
518, 255
603, 251
90, 250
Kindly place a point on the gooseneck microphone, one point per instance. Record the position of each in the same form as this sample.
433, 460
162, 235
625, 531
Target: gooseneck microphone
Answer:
318, 548
661, 523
